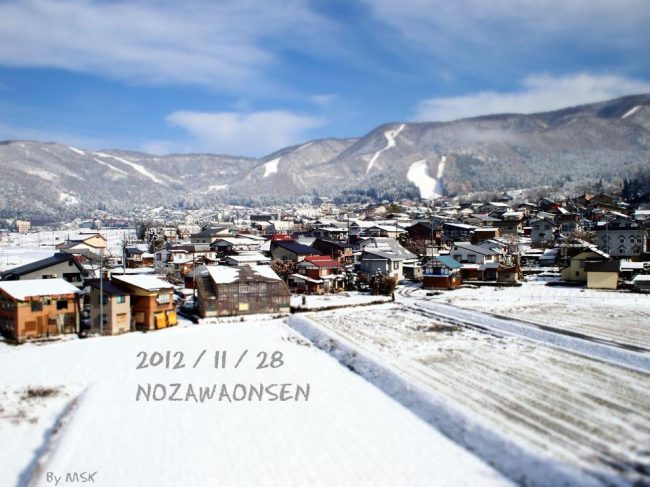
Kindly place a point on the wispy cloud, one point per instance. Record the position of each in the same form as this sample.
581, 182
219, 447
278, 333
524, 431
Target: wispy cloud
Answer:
500, 37
226, 45
252, 134
538, 93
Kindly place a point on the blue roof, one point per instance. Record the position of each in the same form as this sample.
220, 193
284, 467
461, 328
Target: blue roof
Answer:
448, 261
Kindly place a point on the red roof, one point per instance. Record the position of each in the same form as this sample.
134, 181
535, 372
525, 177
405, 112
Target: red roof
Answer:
322, 261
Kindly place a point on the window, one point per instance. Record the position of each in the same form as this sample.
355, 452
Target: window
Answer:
70, 263
120, 299
396, 265
37, 306
163, 299
62, 304
577, 273
471, 259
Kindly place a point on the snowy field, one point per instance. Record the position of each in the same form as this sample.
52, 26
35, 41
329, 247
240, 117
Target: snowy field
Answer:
71, 407
19, 249
315, 302
617, 316
577, 411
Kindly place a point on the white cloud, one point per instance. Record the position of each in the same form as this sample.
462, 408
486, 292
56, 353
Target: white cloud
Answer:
225, 45
498, 36
255, 134
538, 93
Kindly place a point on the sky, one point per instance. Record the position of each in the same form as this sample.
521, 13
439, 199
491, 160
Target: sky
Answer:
248, 77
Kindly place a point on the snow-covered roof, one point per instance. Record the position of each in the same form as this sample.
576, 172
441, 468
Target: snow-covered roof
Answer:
21, 290
223, 274
148, 283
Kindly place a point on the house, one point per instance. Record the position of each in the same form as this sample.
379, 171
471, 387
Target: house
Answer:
247, 258
478, 263
621, 237
318, 274
602, 274
237, 290
229, 245
38, 308
385, 256
138, 256
441, 272
291, 250
116, 307
340, 251
93, 242
152, 303
542, 231
510, 223
457, 231
641, 283
575, 271
429, 232
60, 265
331, 233
210, 235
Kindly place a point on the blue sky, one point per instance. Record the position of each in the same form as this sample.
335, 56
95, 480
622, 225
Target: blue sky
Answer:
248, 77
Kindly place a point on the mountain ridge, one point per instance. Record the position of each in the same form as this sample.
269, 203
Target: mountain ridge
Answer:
608, 140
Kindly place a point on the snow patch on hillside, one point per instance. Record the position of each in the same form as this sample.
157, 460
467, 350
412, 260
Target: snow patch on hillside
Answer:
631, 112
137, 167
271, 167
429, 187
418, 174
78, 151
40, 173
110, 166
390, 135
68, 199
218, 187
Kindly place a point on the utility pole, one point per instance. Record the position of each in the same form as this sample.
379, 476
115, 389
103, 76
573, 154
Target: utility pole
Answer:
101, 291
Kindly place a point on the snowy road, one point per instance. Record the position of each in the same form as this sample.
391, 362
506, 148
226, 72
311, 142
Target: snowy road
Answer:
578, 412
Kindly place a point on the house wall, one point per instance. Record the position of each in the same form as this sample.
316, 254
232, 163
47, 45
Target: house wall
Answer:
252, 297
622, 242
18, 321
384, 266
151, 315
118, 315
602, 280
430, 281
575, 271
65, 270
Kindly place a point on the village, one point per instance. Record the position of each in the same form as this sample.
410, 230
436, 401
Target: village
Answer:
500, 324
244, 261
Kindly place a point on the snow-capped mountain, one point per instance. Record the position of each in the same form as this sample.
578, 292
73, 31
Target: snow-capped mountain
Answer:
602, 140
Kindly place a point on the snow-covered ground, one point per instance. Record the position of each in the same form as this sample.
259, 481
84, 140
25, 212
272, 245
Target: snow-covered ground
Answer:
617, 316
315, 302
20, 249
576, 411
70, 407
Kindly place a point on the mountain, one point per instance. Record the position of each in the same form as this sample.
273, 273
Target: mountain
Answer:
605, 140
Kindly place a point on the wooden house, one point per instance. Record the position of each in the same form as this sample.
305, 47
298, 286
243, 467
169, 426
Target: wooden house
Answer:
238, 290
318, 274
441, 272
152, 301
38, 308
